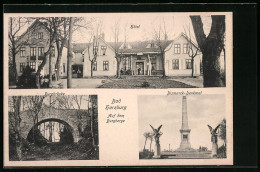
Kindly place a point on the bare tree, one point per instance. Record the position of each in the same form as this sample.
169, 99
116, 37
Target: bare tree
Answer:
94, 42
92, 106
16, 25
211, 47
151, 140
69, 54
63, 32
192, 49
160, 36
118, 54
60, 42
15, 122
52, 23
33, 104
146, 136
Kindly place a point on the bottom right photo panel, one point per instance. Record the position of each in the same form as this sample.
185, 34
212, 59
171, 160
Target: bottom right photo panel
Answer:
182, 127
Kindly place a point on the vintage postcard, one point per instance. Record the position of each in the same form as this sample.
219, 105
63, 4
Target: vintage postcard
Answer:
118, 89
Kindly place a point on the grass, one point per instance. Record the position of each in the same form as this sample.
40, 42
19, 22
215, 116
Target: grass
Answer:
138, 82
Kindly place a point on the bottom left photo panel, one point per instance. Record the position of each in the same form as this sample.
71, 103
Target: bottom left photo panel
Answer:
53, 126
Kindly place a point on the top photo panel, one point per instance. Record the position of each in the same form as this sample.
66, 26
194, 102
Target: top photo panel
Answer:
118, 50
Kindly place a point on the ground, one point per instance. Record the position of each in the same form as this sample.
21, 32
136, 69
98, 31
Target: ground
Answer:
131, 82
56, 151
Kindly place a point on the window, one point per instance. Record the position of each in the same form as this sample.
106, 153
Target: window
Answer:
22, 51
33, 51
188, 64
152, 45
103, 50
40, 35
177, 48
105, 65
185, 48
22, 67
64, 67
40, 51
175, 64
94, 66
53, 51
95, 49
32, 65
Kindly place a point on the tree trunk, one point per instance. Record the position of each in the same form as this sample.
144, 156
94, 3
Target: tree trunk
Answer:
211, 69
145, 143
192, 67
91, 70
57, 65
50, 71
18, 140
118, 73
163, 64
151, 145
211, 48
69, 56
15, 69
92, 125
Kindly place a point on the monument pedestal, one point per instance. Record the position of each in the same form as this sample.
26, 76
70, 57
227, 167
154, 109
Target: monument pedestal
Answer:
157, 152
214, 150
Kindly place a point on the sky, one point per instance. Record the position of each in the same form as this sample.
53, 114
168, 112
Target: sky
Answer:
146, 23
167, 110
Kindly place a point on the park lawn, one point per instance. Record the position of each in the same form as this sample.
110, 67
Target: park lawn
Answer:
139, 82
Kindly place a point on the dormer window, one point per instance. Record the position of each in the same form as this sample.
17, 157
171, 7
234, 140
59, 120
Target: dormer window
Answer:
40, 35
152, 45
103, 50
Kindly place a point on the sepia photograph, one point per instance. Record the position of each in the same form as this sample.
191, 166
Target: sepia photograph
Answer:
182, 127
53, 127
130, 50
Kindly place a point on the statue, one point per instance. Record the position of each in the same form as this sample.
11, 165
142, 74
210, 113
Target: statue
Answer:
157, 135
214, 140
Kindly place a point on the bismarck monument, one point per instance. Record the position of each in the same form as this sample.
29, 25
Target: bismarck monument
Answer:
185, 150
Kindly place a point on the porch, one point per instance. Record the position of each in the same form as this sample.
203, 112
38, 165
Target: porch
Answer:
141, 64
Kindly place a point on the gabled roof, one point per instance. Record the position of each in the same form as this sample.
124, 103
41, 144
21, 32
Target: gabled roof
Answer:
79, 47
188, 39
34, 24
138, 46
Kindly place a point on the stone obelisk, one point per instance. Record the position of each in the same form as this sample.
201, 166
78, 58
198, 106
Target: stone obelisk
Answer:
185, 131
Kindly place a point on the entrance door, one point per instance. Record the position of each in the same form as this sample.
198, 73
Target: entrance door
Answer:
140, 68
77, 71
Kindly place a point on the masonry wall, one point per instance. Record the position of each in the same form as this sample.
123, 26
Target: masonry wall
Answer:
68, 116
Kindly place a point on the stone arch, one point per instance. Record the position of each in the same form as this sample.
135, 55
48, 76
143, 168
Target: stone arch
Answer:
71, 129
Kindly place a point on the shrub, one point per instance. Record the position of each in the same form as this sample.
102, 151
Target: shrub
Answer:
145, 84
27, 79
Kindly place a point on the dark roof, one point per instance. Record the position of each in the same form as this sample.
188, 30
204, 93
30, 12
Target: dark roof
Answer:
79, 47
138, 47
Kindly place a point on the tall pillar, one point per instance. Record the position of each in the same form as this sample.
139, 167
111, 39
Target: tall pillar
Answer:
185, 131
